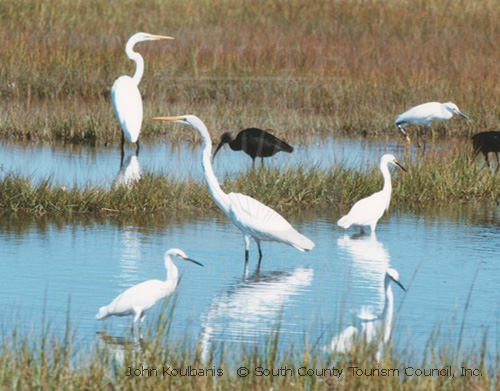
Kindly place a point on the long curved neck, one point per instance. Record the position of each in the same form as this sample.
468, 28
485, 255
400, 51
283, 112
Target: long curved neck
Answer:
218, 195
387, 189
388, 309
139, 70
172, 271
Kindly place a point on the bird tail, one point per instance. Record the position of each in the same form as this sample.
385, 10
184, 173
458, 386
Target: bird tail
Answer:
344, 222
103, 313
303, 243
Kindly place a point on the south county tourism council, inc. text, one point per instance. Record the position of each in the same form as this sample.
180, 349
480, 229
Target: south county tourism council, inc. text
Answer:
286, 371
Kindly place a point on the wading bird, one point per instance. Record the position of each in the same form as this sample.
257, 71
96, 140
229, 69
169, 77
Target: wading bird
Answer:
125, 95
254, 219
486, 142
255, 143
427, 113
137, 299
370, 209
370, 329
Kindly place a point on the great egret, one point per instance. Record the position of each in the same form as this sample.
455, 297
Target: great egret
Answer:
486, 142
254, 219
425, 114
255, 143
125, 95
137, 299
370, 329
370, 209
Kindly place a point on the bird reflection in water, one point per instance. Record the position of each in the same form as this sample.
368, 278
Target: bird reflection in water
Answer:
370, 261
130, 172
250, 308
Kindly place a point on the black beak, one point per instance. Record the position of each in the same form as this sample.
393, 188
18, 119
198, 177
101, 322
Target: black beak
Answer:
192, 260
397, 282
400, 166
217, 149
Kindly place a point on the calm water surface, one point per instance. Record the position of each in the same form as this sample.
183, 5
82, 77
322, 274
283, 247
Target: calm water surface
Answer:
56, 266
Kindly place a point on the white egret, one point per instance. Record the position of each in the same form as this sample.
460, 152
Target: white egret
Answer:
369, 210
369, 328
254, 219
137, 299
425, 114
125, 95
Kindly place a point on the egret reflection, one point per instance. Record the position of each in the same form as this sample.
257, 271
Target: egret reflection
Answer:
373, 324
250, 308
130, 172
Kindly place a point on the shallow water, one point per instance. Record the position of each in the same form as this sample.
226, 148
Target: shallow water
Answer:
53, 266
68, 164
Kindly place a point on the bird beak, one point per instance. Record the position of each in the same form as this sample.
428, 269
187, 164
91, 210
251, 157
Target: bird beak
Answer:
159, 37
217, 149
400, 285
400, 166
192, 260
463, 115
171, 119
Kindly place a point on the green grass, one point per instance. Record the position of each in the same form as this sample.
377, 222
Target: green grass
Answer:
47, 360
440, 176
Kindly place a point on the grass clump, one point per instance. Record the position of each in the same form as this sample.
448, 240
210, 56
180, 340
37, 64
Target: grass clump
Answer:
444, 176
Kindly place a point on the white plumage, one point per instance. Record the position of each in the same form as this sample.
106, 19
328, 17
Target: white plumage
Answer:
139, 298
125, 95
367, 211
254, 219
427, 113
370, 328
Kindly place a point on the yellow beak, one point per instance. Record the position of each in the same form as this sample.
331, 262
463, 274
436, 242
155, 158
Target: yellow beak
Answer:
168, 118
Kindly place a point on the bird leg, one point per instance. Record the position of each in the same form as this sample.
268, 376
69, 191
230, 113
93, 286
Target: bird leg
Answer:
247, 246
260, 251
426, 129
405, 135
137, 147
123, 151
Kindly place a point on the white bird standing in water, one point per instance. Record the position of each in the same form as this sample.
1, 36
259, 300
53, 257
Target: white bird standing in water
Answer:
370, 209
425, 114
370, 328
254, 219
125, 95
137, 299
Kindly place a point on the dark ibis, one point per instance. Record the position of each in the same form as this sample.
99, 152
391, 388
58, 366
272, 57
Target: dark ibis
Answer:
254, 142
486, 142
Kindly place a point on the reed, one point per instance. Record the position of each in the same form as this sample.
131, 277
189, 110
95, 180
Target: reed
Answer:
440, 176
300, 67
51, 360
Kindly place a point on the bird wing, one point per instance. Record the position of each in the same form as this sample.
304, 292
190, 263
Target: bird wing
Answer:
421, 114
127, 103
141, 296
365, 211
262, 223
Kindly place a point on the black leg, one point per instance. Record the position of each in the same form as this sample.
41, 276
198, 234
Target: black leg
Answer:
122, 149
137, 147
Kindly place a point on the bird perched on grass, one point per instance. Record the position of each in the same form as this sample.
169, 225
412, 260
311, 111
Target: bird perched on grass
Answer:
139, 298
425, 114
254, 142
486, 142
370, 209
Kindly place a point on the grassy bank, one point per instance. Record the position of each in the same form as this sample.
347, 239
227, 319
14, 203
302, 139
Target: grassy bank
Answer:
300, 67
441, 176
51, 361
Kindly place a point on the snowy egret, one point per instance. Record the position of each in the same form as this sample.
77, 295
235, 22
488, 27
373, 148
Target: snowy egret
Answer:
486, 142
255, 143
370, 209
137, 299
125, 95
254, 219
369, 328
425, 114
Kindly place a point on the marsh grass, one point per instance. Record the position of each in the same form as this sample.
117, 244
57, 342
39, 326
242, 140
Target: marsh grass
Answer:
298, 67
443, 176
50, 360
